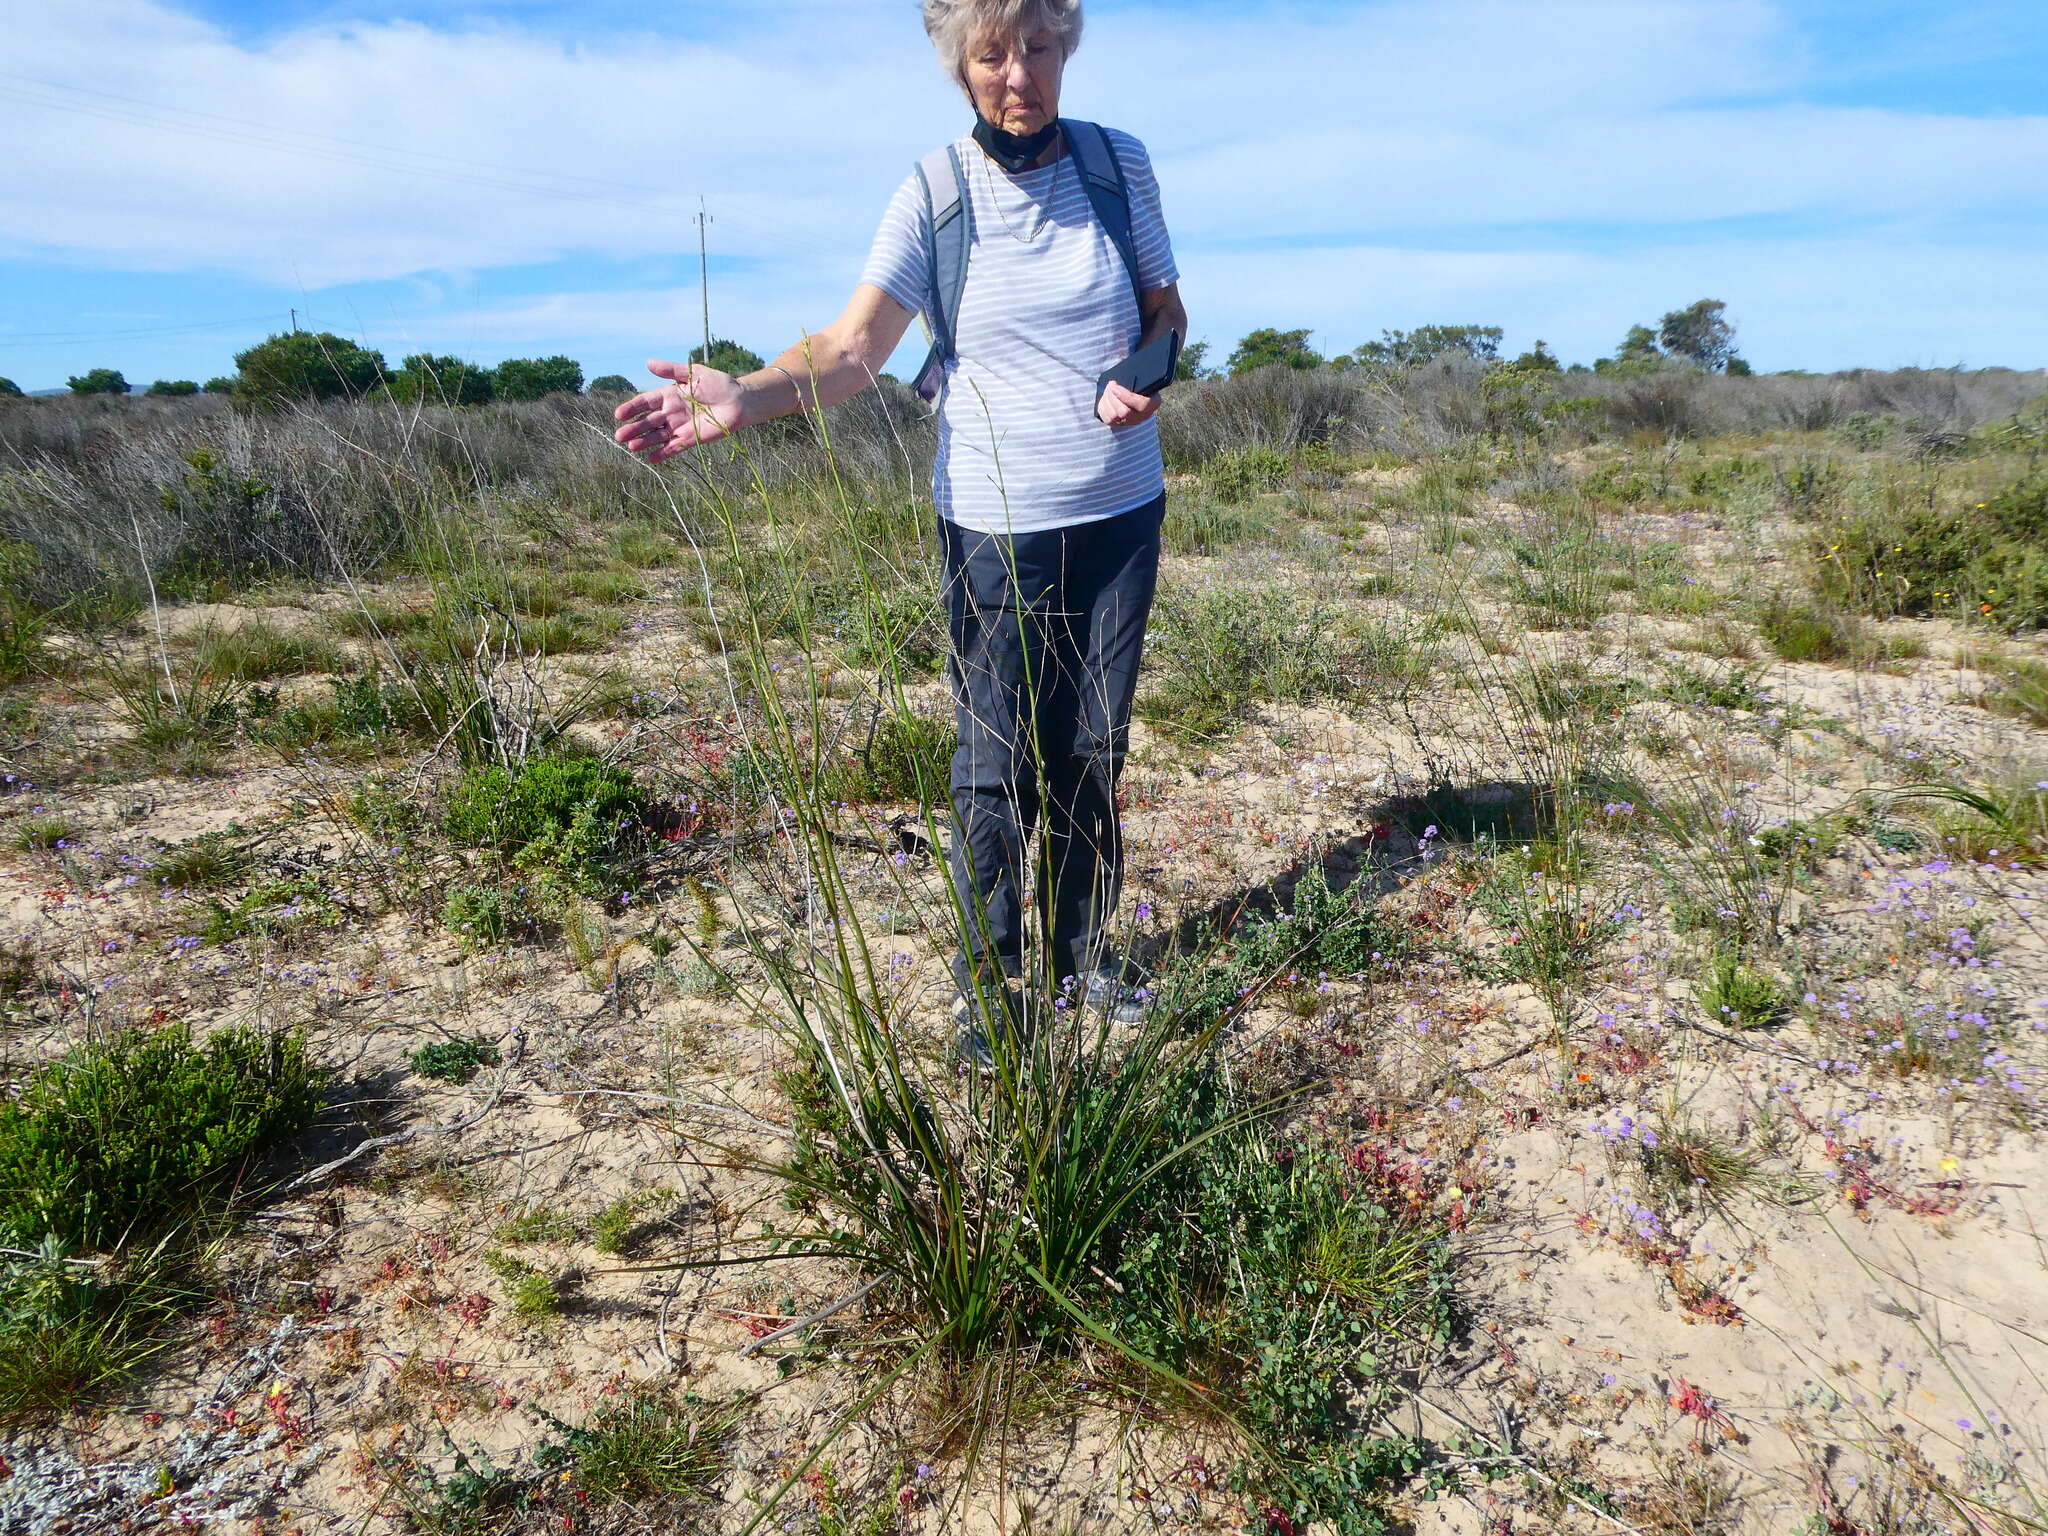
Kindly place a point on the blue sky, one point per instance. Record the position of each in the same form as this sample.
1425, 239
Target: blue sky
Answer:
1865, 184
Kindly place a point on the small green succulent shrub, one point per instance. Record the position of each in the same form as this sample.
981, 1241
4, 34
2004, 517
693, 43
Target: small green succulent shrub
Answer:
126, 1139
572, 819
453, 1061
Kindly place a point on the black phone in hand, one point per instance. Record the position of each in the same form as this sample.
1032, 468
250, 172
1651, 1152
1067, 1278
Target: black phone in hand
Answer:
1146, 371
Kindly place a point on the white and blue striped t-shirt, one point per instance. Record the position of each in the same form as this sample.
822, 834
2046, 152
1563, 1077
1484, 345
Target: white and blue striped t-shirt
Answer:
1048, 306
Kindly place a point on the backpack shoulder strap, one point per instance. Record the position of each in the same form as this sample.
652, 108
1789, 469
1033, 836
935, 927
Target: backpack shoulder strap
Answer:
948, 234
1102, 178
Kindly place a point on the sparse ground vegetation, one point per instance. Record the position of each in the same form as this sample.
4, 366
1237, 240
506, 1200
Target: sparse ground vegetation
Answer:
477, 1035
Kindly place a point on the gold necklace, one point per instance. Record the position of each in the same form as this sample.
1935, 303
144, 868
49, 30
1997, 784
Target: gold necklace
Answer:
1045, 214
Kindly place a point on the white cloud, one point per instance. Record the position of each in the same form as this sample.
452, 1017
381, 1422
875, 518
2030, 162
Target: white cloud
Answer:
1348, 129
634, 128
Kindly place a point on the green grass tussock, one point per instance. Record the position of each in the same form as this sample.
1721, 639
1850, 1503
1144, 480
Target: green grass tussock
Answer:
258, 652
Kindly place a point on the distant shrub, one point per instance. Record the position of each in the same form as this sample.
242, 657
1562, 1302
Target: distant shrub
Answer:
1899, 555
571, 815
440, 381
306, 365
9, 390
99, 381
611, 384
123, 1140
1662, 399
1867, 429
728, 356
173, 387
1267, 348
529, 378
1279, 408
220, 385
1240, 472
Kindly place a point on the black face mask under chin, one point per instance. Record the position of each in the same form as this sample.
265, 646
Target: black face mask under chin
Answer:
1013, 152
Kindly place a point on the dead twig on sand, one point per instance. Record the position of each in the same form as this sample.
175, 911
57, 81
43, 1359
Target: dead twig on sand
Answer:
396, 1138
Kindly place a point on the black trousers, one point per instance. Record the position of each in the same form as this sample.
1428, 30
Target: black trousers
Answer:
1048, 630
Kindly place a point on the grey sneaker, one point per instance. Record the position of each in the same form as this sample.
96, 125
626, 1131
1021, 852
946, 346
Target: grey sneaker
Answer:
971, 1044
1119, 1001
972, 1047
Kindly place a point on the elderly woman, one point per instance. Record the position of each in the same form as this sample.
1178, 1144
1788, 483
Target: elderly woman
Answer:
1035, 249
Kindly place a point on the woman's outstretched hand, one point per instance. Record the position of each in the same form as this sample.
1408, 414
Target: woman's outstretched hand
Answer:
700, 407
1120, 407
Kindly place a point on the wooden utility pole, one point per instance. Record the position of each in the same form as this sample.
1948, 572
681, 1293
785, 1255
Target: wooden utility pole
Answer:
704, 275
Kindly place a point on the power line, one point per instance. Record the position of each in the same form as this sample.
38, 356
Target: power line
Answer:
17, 340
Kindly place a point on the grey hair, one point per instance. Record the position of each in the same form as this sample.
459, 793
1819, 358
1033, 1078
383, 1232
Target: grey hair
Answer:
956, 25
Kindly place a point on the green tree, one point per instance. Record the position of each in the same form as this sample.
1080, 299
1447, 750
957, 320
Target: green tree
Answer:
1538, 359
1194, 361
173, 387
220, 386
728, 357
100, 381
529, 378
440, 381
305, 365
1427, 343
1266, 348
1700, 333
1637, 352
1738, 368
10, 390
612, 384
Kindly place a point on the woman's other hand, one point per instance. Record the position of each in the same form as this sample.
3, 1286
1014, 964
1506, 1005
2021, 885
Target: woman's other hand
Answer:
1118, 407
700, 407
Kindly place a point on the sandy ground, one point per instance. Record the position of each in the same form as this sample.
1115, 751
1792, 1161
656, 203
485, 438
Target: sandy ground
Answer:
1861, 1317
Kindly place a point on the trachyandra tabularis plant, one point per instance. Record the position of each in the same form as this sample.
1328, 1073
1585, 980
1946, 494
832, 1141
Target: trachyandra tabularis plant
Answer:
979, 1200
